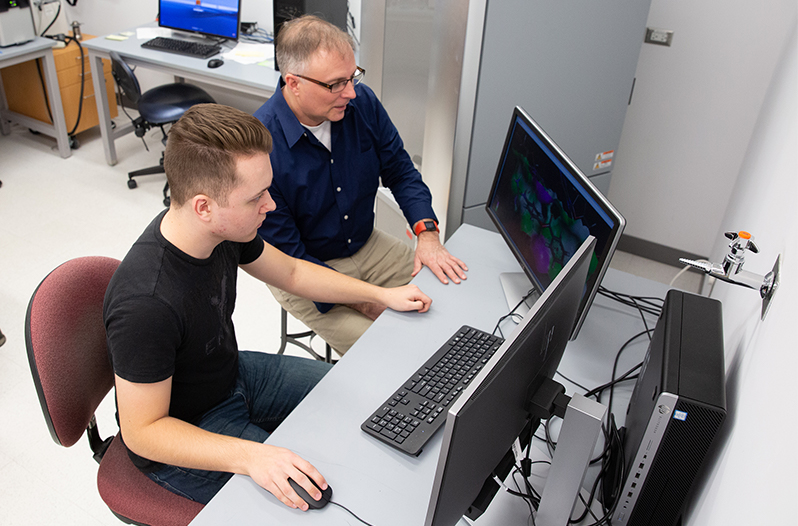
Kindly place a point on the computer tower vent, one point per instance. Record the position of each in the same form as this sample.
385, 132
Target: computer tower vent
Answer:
687, 438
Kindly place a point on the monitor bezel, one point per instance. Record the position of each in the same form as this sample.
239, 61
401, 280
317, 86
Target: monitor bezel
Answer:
576, 268
205, 34
579, 179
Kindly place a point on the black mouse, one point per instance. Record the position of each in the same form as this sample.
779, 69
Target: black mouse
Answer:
215, 62
313, 504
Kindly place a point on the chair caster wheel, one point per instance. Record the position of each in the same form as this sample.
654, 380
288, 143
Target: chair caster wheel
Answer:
131, 183
167, 202
74, 144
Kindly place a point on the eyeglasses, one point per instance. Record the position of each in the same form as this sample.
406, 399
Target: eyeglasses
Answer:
339, 86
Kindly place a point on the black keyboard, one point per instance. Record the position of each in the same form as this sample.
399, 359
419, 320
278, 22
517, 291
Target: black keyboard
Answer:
409, 418
182, 47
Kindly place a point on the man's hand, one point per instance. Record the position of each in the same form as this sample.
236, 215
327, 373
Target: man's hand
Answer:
273, 466
407, 298
431, 253
150, 432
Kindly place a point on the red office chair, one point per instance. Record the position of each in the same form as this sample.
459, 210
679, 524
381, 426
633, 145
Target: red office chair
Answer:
65, 338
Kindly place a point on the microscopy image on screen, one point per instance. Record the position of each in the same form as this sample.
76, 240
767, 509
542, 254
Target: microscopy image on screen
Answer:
543, 210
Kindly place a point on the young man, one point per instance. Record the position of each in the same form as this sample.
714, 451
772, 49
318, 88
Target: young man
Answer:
334, 143
192, 408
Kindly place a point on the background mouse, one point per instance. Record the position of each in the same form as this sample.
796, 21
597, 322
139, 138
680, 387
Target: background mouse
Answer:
215, 62
313, 504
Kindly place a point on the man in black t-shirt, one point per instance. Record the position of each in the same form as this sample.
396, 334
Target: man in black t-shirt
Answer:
192, 408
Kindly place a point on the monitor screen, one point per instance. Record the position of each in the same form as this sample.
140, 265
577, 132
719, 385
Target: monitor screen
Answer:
216, 18
494, 410
545, 207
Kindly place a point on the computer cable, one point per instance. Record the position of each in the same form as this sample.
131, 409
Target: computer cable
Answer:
257, 36
643, 304
82, 80
350, 512
512, 313
66, 39
57, 12
44, 89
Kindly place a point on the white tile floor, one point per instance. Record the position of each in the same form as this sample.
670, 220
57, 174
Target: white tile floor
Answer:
54, 209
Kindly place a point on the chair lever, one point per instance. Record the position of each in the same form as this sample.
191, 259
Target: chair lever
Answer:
97, 444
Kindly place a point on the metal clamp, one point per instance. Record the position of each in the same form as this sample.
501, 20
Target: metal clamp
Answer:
731, 270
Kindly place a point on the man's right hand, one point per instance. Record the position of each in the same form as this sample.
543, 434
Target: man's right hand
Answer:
273, 466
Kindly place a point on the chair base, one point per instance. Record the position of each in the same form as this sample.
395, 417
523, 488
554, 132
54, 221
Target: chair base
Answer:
131, 183
293, 338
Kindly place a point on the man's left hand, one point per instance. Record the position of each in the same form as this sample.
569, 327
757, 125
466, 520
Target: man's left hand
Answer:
430, 252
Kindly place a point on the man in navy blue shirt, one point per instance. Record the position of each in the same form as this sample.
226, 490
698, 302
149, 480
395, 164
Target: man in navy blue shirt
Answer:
333, 145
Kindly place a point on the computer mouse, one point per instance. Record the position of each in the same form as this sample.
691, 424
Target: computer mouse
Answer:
215, 62
313, 504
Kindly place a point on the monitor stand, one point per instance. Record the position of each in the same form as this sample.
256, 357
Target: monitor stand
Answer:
515, 286
578, 436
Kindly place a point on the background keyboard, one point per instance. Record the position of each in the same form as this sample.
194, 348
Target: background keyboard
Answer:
409, 418
182, 47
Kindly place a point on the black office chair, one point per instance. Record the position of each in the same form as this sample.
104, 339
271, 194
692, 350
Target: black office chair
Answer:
157, 107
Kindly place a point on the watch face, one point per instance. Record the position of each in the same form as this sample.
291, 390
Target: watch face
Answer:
430, 225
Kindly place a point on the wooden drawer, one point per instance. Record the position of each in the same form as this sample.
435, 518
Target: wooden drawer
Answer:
25, 91
73, 75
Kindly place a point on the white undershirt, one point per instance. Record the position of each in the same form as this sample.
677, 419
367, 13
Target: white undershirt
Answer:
322, 133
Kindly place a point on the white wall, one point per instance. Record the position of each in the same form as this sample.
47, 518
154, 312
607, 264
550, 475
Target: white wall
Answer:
694, 107
753, 476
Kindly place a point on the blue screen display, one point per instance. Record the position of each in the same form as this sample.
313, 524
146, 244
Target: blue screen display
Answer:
217, 18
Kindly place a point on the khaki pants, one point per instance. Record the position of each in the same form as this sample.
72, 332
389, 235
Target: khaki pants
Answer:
383, 260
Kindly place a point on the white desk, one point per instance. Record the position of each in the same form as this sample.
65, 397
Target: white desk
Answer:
38, 48
250, 79
378, 483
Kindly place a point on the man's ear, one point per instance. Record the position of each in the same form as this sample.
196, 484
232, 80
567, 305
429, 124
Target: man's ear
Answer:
291, 82
203, 206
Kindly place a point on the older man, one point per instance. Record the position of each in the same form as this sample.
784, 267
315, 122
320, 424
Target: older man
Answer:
333, 145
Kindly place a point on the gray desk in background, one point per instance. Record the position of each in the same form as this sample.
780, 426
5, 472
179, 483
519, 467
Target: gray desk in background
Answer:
251, 79
41, 48
379, 484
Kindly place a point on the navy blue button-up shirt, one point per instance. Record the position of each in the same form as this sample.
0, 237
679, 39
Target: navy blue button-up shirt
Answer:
325, 200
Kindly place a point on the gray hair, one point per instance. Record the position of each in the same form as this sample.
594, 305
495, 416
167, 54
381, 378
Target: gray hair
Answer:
299, 39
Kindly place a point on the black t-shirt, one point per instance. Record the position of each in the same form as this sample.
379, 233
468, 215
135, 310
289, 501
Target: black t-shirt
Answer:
168, 314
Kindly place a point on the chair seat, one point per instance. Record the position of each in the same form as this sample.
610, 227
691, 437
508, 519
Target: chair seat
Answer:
168, 103
132, 495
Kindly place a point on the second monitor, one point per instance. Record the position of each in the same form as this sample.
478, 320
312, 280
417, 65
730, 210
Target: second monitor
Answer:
545, 207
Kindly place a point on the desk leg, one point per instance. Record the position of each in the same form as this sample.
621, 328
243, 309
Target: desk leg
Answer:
54, 92
5, 128
103, 110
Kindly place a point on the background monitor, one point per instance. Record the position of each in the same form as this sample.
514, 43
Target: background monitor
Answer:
545, 207
495, 409
214, 18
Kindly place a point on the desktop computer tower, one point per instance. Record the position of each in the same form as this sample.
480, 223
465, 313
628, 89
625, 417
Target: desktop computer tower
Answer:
333, 11
677, 406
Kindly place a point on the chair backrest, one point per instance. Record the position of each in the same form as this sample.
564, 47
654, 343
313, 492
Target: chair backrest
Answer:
67, 350
125, 78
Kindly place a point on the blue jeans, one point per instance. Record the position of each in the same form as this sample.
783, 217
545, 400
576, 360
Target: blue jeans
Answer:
268, 388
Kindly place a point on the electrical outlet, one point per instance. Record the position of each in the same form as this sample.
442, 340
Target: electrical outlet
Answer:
662, 37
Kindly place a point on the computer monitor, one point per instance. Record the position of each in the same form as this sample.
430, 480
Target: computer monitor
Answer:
544, 207
494, 410
215, 18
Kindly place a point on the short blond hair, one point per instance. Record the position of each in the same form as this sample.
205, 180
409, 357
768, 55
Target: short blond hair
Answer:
203, 148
